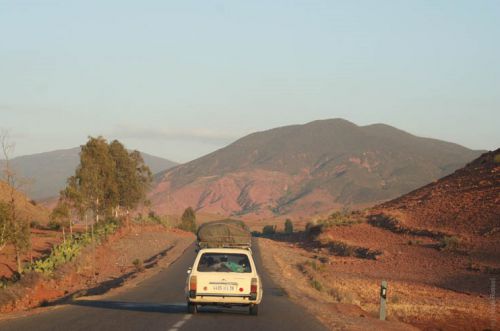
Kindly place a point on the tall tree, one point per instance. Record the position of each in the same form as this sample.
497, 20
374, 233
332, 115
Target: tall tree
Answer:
95, 177
132, 177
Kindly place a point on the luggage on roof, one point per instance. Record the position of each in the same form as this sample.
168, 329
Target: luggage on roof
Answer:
225, 233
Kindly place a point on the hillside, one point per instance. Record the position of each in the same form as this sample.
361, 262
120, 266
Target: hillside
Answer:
465, 202
26, 208
50, 170
307, 169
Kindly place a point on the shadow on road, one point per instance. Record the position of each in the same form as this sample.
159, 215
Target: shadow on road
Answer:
179, 308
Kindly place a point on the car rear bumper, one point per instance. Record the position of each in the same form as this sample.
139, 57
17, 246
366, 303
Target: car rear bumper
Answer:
209, 298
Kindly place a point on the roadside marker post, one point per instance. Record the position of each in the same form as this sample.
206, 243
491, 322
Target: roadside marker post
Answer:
383, 297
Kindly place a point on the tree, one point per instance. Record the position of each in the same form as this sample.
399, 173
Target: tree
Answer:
132, 177
288, 226
15, 229
188, 220
73, 199
108, 181
95, 177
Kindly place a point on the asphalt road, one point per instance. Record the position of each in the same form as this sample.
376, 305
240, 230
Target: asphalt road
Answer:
158, 303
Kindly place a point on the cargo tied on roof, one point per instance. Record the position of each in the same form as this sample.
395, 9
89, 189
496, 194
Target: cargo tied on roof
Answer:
224, 233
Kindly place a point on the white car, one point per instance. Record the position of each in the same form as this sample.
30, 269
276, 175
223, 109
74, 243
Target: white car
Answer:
224, 277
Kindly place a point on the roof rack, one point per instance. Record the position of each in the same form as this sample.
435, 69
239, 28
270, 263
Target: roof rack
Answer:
206, 244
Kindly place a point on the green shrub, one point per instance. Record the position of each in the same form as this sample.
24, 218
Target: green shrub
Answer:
316, 285
138, 264
54, 225
268, 230
288, 226
450, 243
497, 158
35, 225
68, 250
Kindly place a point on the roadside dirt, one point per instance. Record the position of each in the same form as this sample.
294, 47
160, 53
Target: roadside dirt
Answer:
41, 243
99, 270
343, 291
282, 261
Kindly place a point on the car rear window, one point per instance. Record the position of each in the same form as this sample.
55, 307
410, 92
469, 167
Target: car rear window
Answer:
219, 262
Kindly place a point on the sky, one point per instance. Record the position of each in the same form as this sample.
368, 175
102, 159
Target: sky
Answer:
180, 79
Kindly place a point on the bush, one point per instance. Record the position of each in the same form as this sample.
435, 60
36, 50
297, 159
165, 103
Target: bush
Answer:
497, 158
36, 225
450, 243
54, 225
153, 217
288, 226
138, 264
316, 285
268, 230
67, 251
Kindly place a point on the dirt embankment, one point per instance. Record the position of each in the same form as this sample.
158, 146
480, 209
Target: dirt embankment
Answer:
343, 291
128, 256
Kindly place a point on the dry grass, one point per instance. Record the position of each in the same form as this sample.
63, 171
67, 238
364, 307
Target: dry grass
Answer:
415, 303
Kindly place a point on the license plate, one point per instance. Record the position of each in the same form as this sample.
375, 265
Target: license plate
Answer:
223, 288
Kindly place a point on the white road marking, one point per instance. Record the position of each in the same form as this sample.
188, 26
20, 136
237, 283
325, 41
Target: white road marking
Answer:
179, 324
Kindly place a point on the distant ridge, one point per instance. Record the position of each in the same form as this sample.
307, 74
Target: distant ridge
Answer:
49, 170
307, 169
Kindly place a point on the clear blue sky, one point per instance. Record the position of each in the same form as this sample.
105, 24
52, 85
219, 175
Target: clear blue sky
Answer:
182, 78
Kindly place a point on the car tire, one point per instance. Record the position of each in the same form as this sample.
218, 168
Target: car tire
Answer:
192, 308
254, 310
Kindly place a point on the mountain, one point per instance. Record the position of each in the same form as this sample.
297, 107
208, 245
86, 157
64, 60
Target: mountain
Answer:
465, 202
307, 169
25, 207
50, 170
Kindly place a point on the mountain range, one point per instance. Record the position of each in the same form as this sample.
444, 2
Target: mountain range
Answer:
307, 169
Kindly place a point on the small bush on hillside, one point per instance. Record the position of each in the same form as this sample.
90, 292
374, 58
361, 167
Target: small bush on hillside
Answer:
316, 285
138, 264
36, 225
497, 158
153, 217
268, 230
450, 243
313, 230
288, 226
54, 225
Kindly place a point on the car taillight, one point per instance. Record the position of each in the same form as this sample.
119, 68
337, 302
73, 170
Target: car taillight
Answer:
253, 289
192, 287
192, 283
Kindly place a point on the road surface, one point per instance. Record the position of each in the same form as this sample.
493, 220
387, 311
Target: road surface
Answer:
158, 303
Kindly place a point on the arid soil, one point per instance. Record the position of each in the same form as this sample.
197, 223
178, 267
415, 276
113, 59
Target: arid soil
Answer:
287, 264
428, 288
100, 269
466, 202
